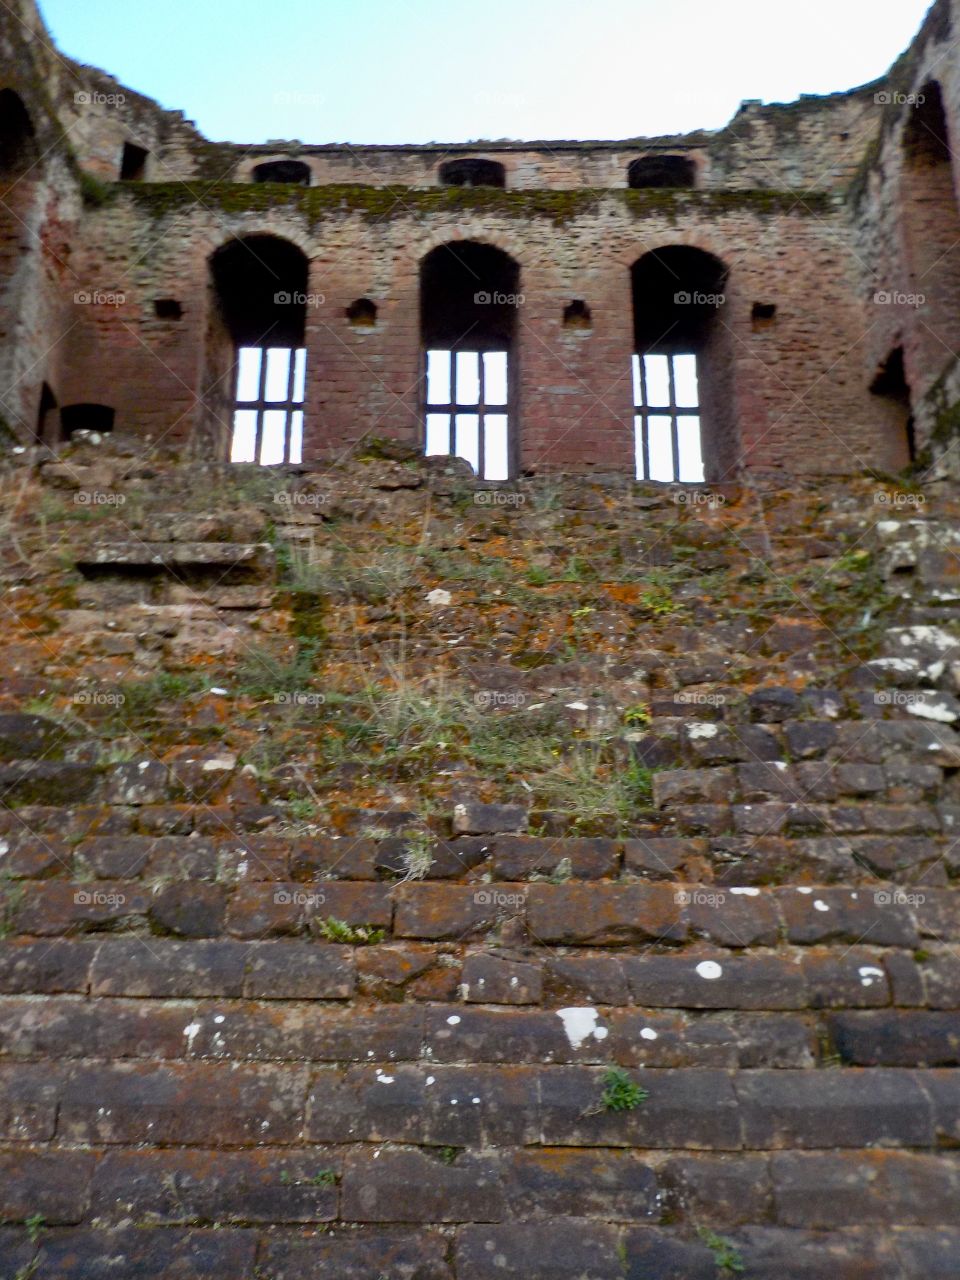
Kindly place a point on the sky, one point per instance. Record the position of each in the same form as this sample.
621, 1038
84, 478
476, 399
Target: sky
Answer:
431, 70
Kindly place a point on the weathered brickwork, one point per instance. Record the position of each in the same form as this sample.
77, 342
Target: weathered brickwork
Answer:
363, 836
814, 209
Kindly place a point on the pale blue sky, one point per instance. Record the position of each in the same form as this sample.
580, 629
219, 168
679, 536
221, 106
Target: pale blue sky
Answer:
424, 70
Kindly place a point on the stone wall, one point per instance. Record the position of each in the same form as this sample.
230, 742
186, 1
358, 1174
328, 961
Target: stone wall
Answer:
403, 877
776, 191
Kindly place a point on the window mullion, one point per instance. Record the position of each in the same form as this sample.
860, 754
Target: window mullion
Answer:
288, 414
481, 418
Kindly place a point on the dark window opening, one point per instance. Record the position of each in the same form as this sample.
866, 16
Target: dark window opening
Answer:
576, 315
890, 384
168, 309
133, 165
260, 286
48, 404
469, 295
662, 171
18, 149
362, 314
682, 368
473, 172
931, 238
86, 417
925, 135
295, 172
763, 314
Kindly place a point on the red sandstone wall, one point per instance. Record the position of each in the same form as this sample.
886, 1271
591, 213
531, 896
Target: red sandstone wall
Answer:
802, 398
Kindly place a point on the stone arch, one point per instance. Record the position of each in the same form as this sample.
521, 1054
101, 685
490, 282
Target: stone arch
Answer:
680, 302
470, 291
258, 290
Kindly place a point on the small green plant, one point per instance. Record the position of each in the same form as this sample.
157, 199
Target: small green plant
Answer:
638, 714
263, 674
725, 1252
562, 872
537, 576
417, 857
620, 1093
658, 601
302, 808
34, 1225
448, 1154
358, 935
325, 1178
142, 698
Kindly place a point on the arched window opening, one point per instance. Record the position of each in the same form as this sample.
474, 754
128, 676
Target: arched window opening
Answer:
18, 147
260, 284
294, 172
86, 417
662, 171
890, 384
682, 367
931, 237
469, 295
472, 171
133, 163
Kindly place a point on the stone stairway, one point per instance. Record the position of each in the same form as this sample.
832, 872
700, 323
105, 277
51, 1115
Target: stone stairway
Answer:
403, 881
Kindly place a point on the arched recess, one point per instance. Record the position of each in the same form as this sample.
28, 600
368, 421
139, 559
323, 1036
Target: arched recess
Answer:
21, 270
662, 171
472, 171
255, 382
18, 144
683, 392
469, 296
931, 227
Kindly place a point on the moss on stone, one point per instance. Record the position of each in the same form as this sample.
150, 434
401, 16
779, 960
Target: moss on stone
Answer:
378, 204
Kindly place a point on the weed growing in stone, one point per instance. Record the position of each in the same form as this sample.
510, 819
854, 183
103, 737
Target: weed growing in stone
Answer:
725, 1253
620, 1093
357, 935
